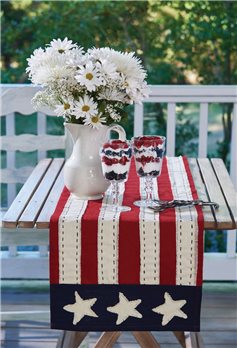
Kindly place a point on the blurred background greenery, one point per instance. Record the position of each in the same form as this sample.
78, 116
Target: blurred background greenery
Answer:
179, 42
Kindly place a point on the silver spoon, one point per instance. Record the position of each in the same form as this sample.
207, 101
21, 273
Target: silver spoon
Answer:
162, 205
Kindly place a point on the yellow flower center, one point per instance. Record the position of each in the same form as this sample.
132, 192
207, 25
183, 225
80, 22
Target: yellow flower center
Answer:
89, 76
95, 119
61, 50
85, 108
66, 106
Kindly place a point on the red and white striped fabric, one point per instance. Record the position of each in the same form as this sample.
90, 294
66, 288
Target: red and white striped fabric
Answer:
90, 246
137, 247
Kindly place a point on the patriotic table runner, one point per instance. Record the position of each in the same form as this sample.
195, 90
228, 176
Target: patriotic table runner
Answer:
128, 271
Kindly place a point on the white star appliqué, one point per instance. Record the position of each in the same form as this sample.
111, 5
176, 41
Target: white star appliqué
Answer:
125, 308
170, 308
81, 308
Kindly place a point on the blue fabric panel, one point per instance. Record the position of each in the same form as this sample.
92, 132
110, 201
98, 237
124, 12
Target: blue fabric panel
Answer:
151, 296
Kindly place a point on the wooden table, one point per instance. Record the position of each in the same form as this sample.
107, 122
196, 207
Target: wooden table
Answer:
35, 203
37, 199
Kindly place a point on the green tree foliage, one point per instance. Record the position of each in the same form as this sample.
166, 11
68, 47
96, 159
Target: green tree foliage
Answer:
173, 38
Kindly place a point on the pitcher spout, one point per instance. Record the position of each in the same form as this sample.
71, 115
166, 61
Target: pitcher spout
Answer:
73, 130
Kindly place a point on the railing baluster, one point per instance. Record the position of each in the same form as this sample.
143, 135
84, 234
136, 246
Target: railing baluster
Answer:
12, 250
43, 250
11, 158
231, 235
138, 119
203, 130
41, 129
233, 150
231, 243
170, 132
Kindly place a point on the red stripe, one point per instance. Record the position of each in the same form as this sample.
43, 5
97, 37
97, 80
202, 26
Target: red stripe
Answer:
129, 235
200, 224
167, 231
89, 235
54, 249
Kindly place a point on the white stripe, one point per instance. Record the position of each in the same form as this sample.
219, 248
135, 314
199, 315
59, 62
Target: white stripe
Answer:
186, 224
108, 235
69, 233
149, 226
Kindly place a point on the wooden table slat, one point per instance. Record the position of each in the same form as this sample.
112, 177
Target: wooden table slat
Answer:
25, 194
227, 186
222, 215
37, 201
51, 203
209, 218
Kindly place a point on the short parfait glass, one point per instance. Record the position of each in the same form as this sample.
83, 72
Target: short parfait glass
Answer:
116, 159
148, 153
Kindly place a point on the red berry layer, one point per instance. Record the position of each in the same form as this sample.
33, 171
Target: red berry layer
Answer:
110, 161
148, 141
116, 144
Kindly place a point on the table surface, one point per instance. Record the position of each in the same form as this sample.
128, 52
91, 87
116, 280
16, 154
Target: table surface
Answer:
35, 203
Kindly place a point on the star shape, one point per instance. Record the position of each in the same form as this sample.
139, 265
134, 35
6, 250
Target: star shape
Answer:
81, 308
125, 308
170, 309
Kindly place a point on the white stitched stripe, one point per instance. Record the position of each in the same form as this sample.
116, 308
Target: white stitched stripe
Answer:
186, 224
108, 232
69, 233
149, 227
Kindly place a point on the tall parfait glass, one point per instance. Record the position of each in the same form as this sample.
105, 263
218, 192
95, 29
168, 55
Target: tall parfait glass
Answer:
148, 152
116, 159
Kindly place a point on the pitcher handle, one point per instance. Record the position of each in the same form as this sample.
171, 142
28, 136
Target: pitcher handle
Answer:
119, 129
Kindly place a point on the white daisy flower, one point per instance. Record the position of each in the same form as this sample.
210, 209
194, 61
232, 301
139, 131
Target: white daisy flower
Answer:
128, 65
95, 121
107, 69
64, 109
62, 46
111, 94
48, 75
100, 53
85, 107
75, 57
89, 77
45, 67
35, 59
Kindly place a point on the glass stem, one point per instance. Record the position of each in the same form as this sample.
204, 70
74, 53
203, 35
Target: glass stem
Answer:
115, 192
149, 189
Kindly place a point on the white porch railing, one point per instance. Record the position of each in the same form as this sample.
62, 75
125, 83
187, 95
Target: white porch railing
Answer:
16, 98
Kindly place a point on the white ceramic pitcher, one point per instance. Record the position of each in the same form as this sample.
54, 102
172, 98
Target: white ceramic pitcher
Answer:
83, 171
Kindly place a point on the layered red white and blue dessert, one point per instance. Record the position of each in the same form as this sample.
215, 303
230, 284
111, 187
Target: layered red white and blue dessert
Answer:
148, 153
116, 157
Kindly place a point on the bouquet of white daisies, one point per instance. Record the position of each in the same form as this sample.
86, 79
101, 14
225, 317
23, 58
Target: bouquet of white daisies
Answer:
89, 88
